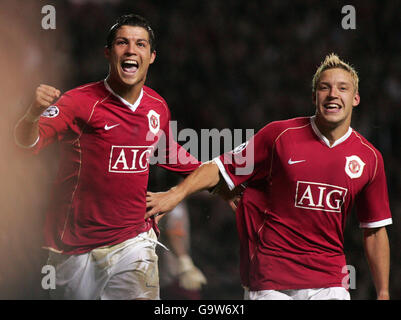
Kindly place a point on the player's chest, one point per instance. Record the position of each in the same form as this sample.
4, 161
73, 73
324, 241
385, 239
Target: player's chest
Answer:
320, 170
122, 126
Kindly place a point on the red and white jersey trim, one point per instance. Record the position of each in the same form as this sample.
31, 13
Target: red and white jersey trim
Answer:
324, 139
134, 106
26, 147
224, 173
376, 224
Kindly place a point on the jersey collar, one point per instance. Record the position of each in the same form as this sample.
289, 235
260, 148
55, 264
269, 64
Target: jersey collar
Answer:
134, 106
324, 139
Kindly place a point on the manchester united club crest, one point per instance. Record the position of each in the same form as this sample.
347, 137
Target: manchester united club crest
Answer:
154, 121
354, 166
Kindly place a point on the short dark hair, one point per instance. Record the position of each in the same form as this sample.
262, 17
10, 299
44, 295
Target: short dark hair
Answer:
131, 20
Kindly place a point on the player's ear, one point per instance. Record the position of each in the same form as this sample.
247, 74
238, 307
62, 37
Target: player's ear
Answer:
152, 57
356, 100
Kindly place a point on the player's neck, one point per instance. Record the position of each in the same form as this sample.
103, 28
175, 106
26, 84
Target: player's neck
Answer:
332, 132
128, 93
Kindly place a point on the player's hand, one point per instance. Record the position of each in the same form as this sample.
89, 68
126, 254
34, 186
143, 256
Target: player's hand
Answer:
189, 276
161, 202
44, 97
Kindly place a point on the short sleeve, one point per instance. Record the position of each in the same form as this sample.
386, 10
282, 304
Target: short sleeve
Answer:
372, 203
247, 160
55, 121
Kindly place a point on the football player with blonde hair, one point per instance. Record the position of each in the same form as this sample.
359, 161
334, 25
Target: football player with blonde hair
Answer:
333, 61
315, 169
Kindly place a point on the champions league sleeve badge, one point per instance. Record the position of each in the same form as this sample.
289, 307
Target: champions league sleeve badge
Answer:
154, 121
354, 166
239, 148
51, 112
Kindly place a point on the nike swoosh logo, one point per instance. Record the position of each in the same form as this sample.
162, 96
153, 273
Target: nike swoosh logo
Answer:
107, 127
294, 162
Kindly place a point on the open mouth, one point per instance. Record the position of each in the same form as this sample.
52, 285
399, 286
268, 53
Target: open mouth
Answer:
129, 66
332, 107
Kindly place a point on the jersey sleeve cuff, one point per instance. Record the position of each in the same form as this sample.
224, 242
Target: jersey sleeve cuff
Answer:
27, 147
224, 173
376, 224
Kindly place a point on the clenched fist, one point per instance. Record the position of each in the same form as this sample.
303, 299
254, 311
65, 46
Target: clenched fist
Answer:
44, 97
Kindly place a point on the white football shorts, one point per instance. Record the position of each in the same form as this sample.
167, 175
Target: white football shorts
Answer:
125, 271
331, 293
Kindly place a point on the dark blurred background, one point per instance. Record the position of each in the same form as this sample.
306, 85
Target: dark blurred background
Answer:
220, 64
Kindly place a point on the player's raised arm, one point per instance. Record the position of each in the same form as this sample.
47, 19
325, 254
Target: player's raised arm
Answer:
27, 129
205, 177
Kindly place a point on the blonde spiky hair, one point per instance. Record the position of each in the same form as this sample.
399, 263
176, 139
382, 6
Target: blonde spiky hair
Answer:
333, 61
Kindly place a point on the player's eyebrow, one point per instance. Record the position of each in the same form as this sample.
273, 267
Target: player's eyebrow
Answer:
340, 83
347, 83
136, 40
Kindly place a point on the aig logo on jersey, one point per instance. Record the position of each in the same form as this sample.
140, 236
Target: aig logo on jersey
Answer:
319, 196
129, 159
154, 121
354, 166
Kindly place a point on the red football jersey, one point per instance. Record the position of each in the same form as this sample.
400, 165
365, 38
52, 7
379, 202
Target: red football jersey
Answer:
250, 218
310, 189
105, 148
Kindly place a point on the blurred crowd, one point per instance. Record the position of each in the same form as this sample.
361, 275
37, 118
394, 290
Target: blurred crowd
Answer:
225, 64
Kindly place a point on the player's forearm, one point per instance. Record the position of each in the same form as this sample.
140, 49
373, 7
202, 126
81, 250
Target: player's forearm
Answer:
205, 177
27, 130
377, 251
